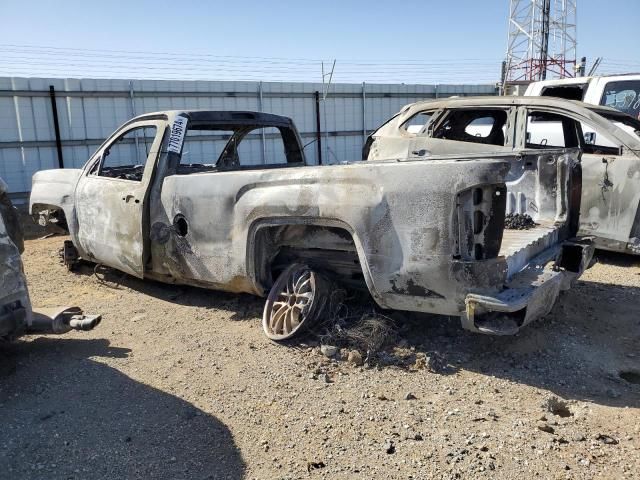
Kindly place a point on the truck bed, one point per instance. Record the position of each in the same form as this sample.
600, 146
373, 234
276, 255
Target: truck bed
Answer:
519, 246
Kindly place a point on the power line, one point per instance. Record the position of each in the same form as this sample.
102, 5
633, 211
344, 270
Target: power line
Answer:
17, 60
9, 55
251, 78
64, 50
150, 53
230, 58
214, 69
116, 74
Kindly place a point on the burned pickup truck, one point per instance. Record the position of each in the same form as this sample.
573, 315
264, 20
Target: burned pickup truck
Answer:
226, 200
16, 315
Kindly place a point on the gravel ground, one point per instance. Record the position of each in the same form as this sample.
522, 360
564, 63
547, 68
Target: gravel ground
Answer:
181, 383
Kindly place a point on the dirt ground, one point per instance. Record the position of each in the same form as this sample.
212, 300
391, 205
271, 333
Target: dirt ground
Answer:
181, 383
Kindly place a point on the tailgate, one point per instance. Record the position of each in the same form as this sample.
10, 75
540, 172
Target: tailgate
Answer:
544, 185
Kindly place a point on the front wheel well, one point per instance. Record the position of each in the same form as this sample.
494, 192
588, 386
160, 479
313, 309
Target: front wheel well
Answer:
43, 214
328, 249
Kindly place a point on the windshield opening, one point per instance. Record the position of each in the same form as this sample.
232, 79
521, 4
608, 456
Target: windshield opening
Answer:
209, 147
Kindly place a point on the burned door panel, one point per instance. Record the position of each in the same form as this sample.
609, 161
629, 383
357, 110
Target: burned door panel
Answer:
111, 199
404, 140
610, 201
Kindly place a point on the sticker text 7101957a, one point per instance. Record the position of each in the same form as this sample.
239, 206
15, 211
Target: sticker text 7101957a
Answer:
177, 134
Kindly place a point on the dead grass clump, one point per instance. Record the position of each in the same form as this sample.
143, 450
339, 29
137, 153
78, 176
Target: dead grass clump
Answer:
353, 324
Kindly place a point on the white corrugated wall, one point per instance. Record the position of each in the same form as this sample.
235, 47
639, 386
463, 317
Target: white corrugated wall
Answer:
91, 109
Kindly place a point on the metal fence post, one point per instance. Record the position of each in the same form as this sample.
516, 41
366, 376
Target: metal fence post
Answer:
364, 113
318, 128
56, 125
132, 99
262, 140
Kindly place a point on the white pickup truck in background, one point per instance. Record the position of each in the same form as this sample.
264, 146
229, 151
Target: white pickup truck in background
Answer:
621, 92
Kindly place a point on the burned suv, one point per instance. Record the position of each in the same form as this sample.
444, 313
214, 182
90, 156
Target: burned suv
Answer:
608, 142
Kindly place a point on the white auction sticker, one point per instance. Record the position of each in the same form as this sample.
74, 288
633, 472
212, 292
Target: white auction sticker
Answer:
177, 134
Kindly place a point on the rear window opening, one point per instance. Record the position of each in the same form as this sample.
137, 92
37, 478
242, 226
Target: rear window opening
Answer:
474, 126
233, 147
569, 92
625, 122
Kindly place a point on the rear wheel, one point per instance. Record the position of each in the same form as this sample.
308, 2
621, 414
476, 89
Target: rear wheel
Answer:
295, 302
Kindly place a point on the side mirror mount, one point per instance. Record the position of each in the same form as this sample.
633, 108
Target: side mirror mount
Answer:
590, 138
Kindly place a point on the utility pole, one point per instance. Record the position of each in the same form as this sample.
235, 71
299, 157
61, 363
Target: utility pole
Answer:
582, 68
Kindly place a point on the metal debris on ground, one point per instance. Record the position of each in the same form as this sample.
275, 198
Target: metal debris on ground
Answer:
519, 221
314, 466
389, 447
606, 439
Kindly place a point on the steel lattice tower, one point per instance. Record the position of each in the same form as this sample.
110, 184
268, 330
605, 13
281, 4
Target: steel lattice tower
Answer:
542, 40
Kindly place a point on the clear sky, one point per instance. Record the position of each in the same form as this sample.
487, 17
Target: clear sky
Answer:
457, 41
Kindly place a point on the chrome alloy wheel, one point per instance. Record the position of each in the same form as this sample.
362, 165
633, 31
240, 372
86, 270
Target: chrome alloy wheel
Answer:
294, 303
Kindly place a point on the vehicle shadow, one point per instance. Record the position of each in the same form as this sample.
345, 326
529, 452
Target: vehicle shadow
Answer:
585, 349
241, 306
579, 351
617, 259
67, 415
